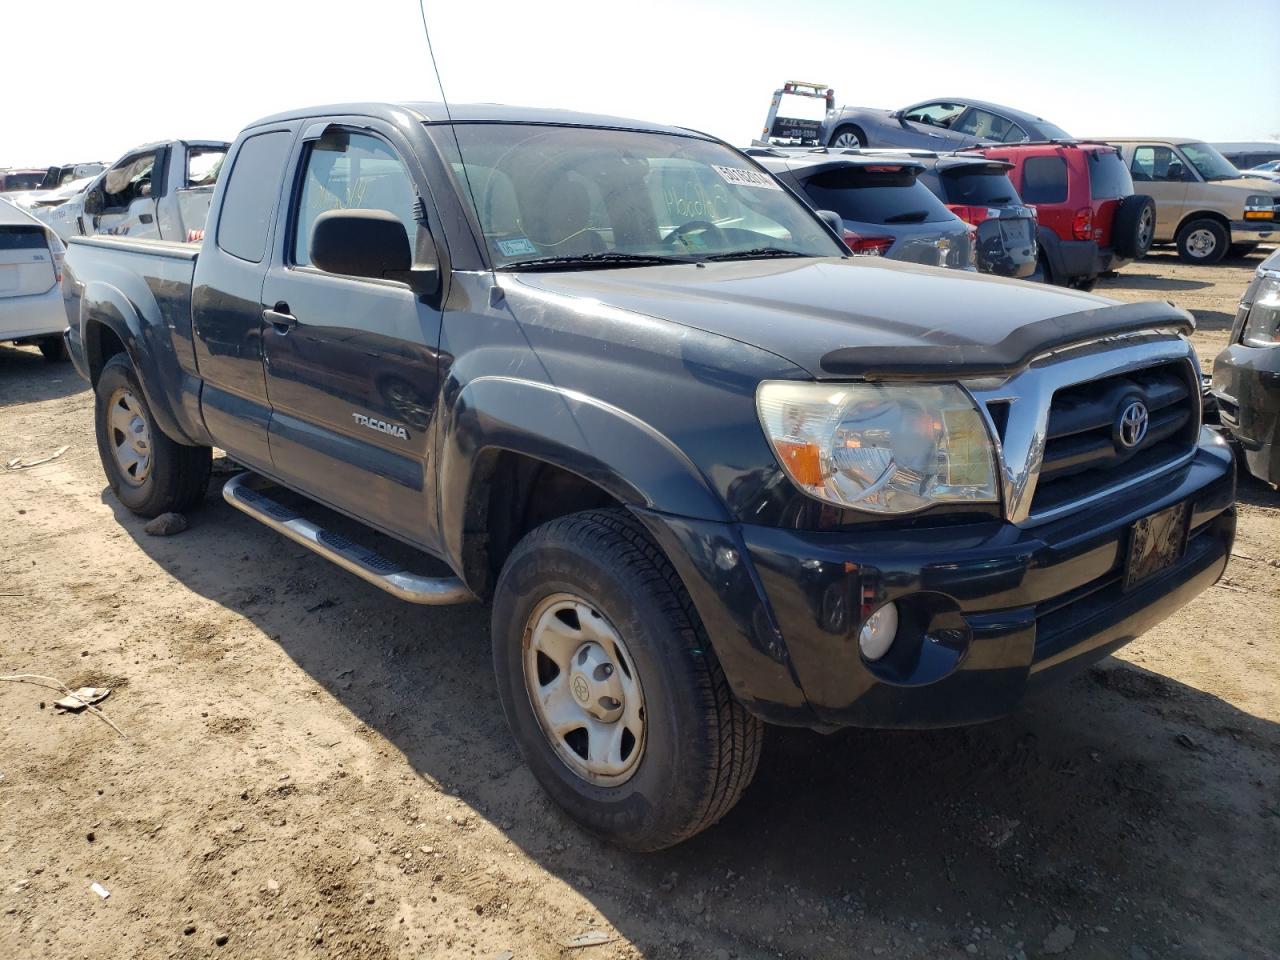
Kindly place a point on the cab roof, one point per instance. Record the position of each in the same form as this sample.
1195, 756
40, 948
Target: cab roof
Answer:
435, 112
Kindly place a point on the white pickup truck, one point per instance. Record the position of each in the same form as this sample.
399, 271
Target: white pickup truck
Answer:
158, 191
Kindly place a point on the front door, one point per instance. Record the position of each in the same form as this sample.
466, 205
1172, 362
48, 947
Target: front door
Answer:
927, 126
351, 363
1160, 171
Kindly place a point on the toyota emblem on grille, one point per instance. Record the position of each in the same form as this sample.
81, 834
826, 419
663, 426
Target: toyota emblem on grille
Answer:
1134, 421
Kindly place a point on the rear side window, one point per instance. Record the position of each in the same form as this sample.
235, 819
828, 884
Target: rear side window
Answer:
871, 196
1108, 176
1044, 180
249, 202
977, 186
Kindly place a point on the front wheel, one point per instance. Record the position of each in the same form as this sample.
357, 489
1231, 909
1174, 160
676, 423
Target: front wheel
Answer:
149, 473
610, 686
1202, 241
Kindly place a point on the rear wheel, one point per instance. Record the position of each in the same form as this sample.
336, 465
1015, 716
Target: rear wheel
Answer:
150, 473
53, 349
1202, 241
848, 138
610, 686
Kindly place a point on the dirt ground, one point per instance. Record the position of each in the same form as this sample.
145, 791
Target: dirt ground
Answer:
314, 769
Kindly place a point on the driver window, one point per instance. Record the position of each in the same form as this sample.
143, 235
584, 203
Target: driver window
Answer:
127, 181
1156, 164
936, 114
351, 171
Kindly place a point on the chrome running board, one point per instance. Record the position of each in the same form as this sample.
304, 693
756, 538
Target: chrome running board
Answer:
382, 572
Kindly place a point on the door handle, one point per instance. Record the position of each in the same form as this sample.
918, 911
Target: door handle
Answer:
146, 218
280, 317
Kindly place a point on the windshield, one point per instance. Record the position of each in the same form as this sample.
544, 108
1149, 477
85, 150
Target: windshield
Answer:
551, 193
1211, 164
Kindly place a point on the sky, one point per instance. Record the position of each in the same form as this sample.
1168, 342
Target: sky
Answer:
106, 76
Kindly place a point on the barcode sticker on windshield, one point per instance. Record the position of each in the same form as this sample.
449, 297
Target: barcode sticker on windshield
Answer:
742, 177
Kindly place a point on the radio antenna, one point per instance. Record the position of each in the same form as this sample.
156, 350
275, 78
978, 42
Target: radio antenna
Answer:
462, 161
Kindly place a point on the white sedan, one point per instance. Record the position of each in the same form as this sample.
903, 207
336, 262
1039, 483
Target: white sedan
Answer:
31, 258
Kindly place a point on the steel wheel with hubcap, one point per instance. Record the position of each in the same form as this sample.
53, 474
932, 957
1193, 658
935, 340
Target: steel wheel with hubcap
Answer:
610, 684
130, 437
584, 690
150, 472
1202, 241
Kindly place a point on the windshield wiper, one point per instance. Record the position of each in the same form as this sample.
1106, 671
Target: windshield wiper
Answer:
915, 216
595, 260
756, 253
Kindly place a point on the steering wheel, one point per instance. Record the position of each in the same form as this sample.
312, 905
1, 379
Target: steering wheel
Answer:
679, 233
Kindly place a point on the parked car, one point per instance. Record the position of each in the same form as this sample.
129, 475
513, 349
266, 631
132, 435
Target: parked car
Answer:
1090, 220
1244, 156
947, 124
1264, 171
40, 200
884, 210
1203, 204
12, 181
159, 191
1246, 375
710, 469
978, 190
56, 177
31, 258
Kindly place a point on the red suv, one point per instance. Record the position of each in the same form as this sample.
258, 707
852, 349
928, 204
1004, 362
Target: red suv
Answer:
1091, 221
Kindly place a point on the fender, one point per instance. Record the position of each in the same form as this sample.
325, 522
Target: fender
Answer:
1050, 246
146, 341
601, 443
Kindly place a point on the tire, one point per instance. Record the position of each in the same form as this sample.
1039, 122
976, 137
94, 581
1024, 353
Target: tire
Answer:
1043, 272
694, 748
1241, 250
53, 349
171, 475
853, 137
1085, 284
1202, 241
1134, 228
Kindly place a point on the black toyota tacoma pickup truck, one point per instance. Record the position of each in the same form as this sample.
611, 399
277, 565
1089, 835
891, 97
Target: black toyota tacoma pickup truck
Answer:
708, 469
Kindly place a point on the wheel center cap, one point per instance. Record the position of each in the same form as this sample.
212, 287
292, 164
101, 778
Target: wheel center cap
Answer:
594, 683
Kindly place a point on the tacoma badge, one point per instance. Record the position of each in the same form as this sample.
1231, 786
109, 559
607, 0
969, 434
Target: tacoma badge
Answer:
391, 429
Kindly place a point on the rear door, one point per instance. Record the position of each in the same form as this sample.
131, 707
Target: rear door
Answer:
1157, 170
351, 362
226, 297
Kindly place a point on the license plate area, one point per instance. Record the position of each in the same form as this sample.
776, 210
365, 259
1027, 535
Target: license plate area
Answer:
1156, 543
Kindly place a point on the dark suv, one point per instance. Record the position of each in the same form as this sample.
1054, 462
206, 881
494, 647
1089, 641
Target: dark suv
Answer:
884, 209
1090, 219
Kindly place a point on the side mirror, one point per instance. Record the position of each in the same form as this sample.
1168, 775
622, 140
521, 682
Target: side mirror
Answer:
368, 243
832, 220
1176, 171
93, 203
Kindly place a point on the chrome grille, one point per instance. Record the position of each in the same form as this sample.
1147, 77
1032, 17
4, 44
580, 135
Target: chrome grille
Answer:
1086, 450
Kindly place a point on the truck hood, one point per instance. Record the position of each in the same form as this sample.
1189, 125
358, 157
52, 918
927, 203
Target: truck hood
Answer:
864, 317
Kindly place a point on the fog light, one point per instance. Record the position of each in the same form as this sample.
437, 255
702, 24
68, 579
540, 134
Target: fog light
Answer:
878, 632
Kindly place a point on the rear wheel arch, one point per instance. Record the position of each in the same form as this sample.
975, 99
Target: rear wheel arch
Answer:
101, 343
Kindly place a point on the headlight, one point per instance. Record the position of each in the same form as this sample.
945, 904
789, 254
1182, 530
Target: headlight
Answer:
881, 447
1259, 207
1262, 325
